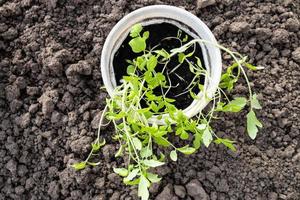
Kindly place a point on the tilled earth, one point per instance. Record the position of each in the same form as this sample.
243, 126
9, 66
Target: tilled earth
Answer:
50, 100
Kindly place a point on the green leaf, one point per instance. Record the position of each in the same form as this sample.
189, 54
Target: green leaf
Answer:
199, 62
186, 150
143, 188
189, 55
185, 38
233, 66
154, 107
254, 102
192, 68
135, 127
161, 141
160, 77
193, 95
197, 140
133, 182
137, 44
152, 62
161, 157
130, 70
129, 61
220, 106
137, 143
201, 87
146, 35
239, 101
97, 145
153, 130
148, 114
79, 166
252, 124
227, 80
153, 177
169, 100
121, 171
143, 110
250, 66
119, 152
173, 155
184, 135
226, 142
153, 163
116, 116
235, 105
135, 30
131, 175
146, 152
181, 57
140, 62
207, 137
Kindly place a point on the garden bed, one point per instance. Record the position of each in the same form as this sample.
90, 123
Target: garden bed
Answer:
51, 102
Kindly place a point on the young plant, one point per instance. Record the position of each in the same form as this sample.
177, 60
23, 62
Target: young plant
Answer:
137, 137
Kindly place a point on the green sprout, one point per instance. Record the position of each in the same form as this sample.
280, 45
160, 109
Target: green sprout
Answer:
137, 136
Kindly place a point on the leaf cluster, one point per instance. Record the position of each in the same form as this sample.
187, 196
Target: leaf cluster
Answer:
137, 136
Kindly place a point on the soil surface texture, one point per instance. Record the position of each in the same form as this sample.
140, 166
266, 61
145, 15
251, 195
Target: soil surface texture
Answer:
50, 103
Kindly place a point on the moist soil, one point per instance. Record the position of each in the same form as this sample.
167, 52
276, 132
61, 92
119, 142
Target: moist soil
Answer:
50, 103
164, 36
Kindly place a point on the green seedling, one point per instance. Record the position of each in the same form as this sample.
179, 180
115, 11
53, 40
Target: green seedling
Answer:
137, 136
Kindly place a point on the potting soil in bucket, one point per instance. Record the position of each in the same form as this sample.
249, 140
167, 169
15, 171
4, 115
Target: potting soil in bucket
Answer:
163, 36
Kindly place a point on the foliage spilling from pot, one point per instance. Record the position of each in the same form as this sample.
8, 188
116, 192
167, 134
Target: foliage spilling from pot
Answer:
153, 86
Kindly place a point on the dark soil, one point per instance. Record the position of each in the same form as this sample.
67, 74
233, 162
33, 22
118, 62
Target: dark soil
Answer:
50, 102
158, 37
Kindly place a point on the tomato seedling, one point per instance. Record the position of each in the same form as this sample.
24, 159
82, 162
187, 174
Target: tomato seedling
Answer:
134, 132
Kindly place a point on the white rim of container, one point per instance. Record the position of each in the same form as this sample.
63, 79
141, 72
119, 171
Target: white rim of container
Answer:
183, 20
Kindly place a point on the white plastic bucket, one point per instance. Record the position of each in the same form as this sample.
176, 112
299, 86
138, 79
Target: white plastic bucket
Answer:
183, 20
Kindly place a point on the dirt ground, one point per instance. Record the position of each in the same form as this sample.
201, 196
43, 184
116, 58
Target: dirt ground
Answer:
50, 103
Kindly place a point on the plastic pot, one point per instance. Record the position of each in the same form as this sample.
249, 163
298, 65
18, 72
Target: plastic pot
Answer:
185, 21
